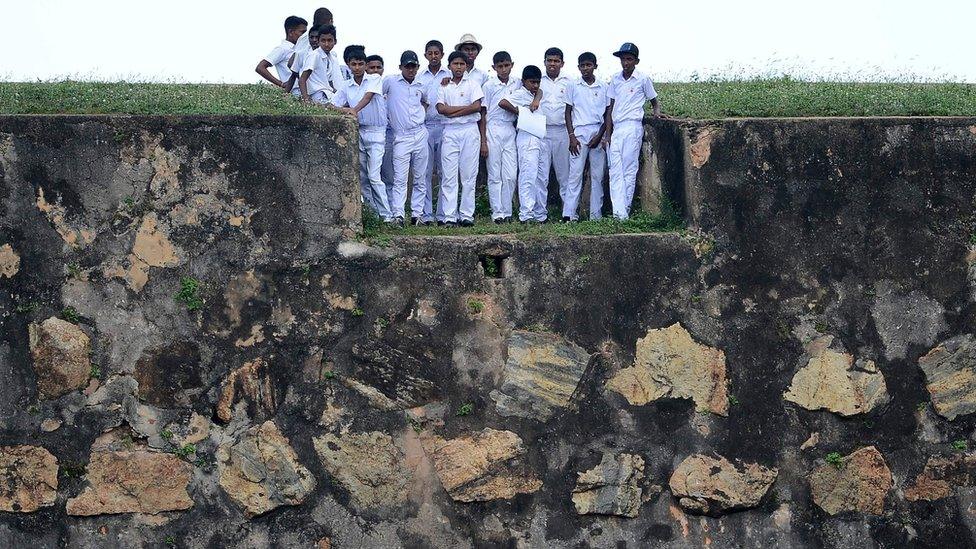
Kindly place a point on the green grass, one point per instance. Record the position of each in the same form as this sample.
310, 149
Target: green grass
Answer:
774, 97
785, 97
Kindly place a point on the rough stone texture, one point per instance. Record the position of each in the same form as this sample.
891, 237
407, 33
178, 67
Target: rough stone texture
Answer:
834, 381
136, 481
28, 478
614, 487
540, 376
859, 483
252, 385
369, 465
941, 475
670, 364
712, 485
950, 374
261, 471
482, 466
9, 261
60, 351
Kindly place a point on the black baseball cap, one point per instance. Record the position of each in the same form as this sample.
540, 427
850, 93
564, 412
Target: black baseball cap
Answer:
409, 57
628, 47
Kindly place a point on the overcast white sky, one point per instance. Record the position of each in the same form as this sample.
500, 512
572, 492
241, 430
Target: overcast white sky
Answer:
222, 40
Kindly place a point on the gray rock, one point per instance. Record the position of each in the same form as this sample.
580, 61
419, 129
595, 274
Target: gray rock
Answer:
713, 485
611, 488
950, 373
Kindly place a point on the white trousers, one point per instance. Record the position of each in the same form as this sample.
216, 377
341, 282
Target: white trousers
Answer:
598, 163
372, 145
502, 168
386, 172
409, 156
435, 134
460, 150
530, 152
624, 157
557, 156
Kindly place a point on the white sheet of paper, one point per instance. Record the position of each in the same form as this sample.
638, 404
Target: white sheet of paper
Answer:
532, 122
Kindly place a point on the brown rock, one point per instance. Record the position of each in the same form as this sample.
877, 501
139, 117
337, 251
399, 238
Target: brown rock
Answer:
28, 478
714, 485
60, 351
950, 370
859, 483
834, 381
369, 465
540, 376
941, 475
261, 471
169, 376
670, 364
136, 481
482, 466
614, 487
251, 384
9, 261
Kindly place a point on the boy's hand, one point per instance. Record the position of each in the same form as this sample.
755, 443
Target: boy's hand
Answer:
484, 148
595, 142
350, 111
574, 145
445, 80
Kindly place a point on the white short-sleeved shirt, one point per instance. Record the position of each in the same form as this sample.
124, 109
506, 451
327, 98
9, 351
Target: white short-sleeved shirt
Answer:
461, 94
554, 99
630, 95
404, 102
325, 71
520, 97
478, 75
296, 67
496, 90
279, 59
351, 93
589, 101
346, 72
433, 81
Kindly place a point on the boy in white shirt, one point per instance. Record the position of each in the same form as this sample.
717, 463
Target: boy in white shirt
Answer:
556, 152
406, 107
629, 90
498, 136
321, 75
586, 109
470, 47
374, 65
298, 59
432, 77
530, 147
363, 96
321, 18
278, 58
460, 103
346, 70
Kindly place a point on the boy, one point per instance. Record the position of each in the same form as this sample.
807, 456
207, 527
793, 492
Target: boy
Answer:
628, 91
346, 70
470, 47
321, 75
406, 106
298, 60
278, 58
374, 65
321, 18
498, 137
460, 103
432, 78
586, 105
530, 147
556, 151
363, 97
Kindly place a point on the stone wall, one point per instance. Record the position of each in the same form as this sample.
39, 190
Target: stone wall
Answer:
191, 368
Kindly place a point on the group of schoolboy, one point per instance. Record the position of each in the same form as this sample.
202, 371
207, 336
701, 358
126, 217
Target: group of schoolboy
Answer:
443, 119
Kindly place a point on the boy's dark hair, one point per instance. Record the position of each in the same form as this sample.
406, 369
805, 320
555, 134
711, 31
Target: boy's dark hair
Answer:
293, 21
587, 56
435, 43
328, 29
351, 48
555, 51
374, 57
457, 55
531, 72
357, 55
322, 15
316, 29
500, 57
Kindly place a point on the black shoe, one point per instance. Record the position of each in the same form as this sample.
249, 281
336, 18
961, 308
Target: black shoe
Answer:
440, 223
398, 223
450, 224
499, 221
413, 220
467, 223
566, 219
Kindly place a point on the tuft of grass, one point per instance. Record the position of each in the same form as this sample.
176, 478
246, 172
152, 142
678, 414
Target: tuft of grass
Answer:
24, 308
960, 445
71, 315
74, 270
733, 400
476, 306
329, 374
834, 458
95, 372
185, 451
357, 312
166, 434
465, 409
189, 293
